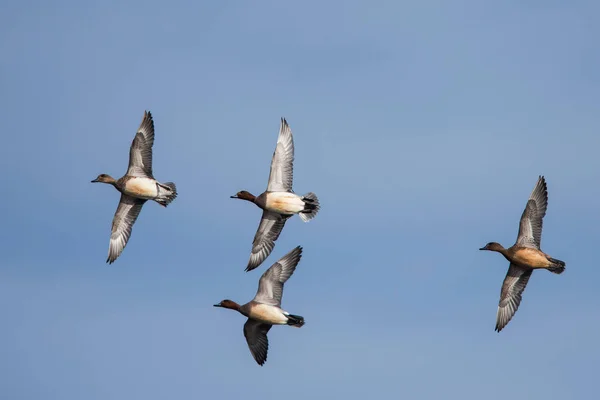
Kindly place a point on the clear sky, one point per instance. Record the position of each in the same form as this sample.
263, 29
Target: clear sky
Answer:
422, 126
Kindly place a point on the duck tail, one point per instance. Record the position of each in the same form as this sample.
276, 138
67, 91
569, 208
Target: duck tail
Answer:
295, 320
167, 192
557, 266
311, 207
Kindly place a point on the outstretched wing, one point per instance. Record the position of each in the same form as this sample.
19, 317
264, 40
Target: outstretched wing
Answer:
140, 153
510, 296
255, 333
530, 227
282, 164
271, 225
127, 212
270, 286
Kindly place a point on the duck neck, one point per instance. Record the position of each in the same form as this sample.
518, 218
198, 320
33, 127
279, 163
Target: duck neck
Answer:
248, 197
116, 185
232, 305
111, 181
502, 251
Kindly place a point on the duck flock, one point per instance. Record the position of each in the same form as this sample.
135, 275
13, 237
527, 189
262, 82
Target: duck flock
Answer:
279, 202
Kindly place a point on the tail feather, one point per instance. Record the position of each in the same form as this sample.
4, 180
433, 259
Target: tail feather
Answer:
558, 266
311, 207
295, 320
166, 194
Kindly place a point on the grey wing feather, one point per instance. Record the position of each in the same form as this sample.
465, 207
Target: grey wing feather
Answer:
510, 296
270, 286
255, 333
282, 164
530, 227
271, 225
140, 153
127, 212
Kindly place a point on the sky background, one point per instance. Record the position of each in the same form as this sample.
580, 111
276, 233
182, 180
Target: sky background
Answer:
422, 127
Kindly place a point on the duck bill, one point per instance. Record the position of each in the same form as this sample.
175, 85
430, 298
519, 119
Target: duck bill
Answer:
217, 305
95, 181
234, 197
483, 248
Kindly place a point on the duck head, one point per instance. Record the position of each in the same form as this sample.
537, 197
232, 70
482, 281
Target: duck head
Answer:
104, 178
228, 304
244, 195
493, 246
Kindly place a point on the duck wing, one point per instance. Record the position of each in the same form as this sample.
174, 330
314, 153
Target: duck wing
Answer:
530, 227
140, 152
511, 293
270, 286
271, 225
282, 164
255, 333
127, 212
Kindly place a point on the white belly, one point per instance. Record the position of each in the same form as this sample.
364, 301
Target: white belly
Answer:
269, 314
142, 188
284, 203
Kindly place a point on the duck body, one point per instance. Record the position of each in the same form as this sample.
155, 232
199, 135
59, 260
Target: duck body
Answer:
284, 203
266, 313
526, 257
147, 189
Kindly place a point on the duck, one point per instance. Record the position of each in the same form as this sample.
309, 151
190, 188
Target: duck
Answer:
137, 186
525, 255
278, 202
265, 310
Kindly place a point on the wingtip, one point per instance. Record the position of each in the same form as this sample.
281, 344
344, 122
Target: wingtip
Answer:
147, 121
295, 252
299, 250
540, 188
111, 259
292, 257
147, 118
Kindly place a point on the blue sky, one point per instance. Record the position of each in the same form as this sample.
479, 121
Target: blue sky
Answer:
422, 126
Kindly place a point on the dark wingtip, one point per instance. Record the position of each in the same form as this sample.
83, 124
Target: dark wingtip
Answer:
298, 251
543, 182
